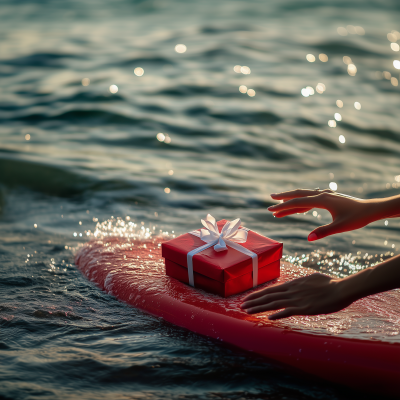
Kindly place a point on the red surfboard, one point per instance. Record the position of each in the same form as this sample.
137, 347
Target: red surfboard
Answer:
358, 346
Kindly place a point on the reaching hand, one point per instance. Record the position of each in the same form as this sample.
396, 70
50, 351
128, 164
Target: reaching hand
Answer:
310, 295
348, 213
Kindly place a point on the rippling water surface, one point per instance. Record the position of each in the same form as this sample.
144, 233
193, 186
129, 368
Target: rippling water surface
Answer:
173, 140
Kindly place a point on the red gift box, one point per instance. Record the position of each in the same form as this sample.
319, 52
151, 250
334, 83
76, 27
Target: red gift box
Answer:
225, 272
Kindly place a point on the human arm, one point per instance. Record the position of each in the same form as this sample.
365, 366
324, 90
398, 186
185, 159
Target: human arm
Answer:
321, 294
348, 213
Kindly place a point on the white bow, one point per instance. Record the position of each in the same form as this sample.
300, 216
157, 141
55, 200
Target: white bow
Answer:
230, 232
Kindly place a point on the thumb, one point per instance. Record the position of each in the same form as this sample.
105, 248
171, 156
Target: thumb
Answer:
322, 232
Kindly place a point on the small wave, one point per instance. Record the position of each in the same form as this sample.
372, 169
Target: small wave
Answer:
56, 314
89, 116
349, 49
40, 60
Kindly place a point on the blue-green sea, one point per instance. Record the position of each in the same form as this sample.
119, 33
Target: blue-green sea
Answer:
165, 111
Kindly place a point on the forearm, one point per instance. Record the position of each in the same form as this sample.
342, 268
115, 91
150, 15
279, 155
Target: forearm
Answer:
380, 278
388, 207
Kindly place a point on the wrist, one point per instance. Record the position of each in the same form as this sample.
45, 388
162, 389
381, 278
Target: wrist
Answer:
383, 208
347, 291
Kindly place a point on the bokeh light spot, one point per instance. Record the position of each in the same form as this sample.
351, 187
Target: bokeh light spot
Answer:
347, 60
320, 88
138, 71
323, 57
351, 69
160, 137
310, 57
180, 48
332, 123
113, 89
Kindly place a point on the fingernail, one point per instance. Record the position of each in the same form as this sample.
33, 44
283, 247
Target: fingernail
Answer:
271, 207
312, 237
273, 194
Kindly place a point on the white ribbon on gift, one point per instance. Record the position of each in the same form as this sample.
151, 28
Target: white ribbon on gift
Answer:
230, 235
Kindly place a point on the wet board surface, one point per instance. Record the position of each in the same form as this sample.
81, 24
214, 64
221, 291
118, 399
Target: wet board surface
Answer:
358, 346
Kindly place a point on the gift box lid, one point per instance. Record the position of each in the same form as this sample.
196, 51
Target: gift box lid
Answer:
225, 265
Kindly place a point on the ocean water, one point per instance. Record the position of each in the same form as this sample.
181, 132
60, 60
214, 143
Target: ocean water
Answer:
101, 117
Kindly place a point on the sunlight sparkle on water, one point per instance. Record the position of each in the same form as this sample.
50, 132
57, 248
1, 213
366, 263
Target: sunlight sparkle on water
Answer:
360, 30
347, 60
27, 136
245, 70
332, 123
251, 92
392, 37
310, 90
163, 137
85, 82
237, 68
323, 57
333, 186
394, 46
387, 75
310, 57
320, 88
180, 48
113, 89
304, 92
138, 71
339, 103
243, 89
167, 190
342, 139
351, 69
338, 117
396, 64
357, 105
394, 81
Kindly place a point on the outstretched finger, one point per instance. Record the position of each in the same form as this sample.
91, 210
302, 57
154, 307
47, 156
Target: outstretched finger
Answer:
292, 194
281, 214
323, 231
269, 298
275, 305
287, 312
301, 202
269, 290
